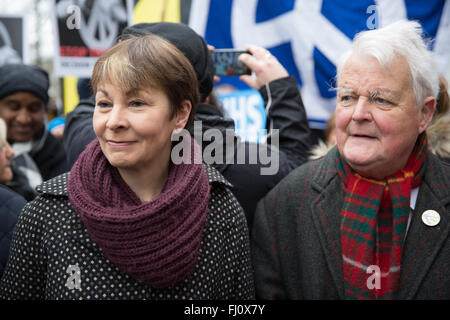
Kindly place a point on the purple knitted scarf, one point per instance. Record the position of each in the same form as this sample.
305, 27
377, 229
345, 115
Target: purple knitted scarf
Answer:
155, 242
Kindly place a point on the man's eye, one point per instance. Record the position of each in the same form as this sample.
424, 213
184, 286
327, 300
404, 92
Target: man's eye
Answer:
346, 100
381, 101
13, 106
35, 108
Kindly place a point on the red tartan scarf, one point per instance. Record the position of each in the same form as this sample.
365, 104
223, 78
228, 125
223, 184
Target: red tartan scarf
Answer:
373, 226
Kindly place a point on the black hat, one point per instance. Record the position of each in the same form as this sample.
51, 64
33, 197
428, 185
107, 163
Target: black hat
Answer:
20, 77
187, 41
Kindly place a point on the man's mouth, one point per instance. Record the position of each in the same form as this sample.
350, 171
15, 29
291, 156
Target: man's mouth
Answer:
365, 136
22, 129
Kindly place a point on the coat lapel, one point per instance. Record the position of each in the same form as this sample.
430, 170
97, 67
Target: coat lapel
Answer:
325, 209
423, 242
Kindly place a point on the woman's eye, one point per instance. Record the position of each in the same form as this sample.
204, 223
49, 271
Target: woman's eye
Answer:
103, 104
137, 103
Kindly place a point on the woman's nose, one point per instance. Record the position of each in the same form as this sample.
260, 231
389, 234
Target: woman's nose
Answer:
116, 118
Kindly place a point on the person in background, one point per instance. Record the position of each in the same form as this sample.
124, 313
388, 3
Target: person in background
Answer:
56, 127
322, 148
128, 221
55, 119
6, 153
370, 219
439, 130
11, 203
281, 95
23, 98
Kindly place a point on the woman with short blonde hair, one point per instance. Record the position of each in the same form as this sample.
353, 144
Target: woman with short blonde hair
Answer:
128, 222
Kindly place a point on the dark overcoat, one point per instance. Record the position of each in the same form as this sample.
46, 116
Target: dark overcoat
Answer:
296, 241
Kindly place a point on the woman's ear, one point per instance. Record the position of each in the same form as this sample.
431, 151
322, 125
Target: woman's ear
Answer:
426, 113
182, 116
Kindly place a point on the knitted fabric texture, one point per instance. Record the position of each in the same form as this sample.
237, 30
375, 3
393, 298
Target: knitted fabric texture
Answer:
155, 242
373, 226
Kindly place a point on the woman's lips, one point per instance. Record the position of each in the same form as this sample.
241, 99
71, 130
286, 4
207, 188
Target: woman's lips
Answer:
113, 143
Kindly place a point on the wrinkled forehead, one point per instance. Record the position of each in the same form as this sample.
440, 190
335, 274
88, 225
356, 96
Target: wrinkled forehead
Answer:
365, 72
369, 92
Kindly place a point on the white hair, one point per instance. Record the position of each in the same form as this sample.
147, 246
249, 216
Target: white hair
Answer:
402, 38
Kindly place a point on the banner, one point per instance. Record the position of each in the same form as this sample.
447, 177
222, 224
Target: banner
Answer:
143, 11
308, 37
84, 30
246, 108
13, 48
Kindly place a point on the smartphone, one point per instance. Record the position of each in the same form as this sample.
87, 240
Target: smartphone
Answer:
226, 62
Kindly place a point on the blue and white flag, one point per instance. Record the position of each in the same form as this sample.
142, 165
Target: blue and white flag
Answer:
309, 36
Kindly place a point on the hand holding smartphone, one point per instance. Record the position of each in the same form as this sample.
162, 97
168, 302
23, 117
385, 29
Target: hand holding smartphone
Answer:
226, 62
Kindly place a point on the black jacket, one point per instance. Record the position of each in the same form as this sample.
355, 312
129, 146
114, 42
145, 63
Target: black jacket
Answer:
50, 238
285, 113
78, 131
11, 205
47, 155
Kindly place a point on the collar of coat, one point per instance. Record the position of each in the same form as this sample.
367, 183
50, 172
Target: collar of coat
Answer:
422, 244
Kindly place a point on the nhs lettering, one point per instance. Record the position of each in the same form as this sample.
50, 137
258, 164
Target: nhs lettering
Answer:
246, 108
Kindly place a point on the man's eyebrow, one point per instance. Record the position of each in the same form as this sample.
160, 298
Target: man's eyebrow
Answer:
10, 99
372, 92
383, 91
342, 90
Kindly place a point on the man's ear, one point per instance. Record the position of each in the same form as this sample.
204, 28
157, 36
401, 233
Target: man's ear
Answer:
426, 113
183, 114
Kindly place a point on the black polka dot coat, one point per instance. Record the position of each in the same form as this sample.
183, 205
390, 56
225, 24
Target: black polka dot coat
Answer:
52, 256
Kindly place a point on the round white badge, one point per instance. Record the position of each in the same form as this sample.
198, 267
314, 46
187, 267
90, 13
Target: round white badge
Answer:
431, 218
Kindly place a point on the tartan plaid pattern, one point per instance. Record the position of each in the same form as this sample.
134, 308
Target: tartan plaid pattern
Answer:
373, 226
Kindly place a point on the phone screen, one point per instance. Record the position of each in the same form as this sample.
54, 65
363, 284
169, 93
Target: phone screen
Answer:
226, 63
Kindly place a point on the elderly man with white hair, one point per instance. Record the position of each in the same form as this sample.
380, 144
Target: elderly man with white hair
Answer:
370, 219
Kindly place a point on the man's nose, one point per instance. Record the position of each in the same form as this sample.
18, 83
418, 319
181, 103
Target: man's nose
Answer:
23, 117
362, 110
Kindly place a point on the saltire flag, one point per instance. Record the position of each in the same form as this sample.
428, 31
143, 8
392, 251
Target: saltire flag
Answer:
309, 36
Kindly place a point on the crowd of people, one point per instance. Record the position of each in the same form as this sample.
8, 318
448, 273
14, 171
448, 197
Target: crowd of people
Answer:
105, 211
